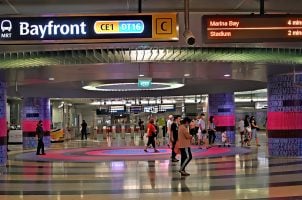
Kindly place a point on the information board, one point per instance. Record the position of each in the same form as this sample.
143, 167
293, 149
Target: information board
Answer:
251, 28
89, 28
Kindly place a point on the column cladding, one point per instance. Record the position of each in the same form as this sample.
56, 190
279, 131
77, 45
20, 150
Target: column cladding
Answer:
222, 107
3, 125
284, 116
33, 110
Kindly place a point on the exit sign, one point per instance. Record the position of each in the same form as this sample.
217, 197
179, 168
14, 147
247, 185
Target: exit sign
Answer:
144, 83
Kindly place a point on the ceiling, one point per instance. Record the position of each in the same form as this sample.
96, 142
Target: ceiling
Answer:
27, 68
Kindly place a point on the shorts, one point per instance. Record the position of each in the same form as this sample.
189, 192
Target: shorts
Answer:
201, 136
254, 133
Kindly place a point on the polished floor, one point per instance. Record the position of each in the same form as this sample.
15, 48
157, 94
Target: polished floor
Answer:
247, 176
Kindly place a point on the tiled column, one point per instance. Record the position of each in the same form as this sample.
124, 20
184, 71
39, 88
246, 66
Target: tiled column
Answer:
33, 110
284, 117
222, 107
3, 125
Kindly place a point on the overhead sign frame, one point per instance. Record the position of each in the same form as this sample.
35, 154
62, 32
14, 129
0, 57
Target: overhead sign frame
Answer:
251, 28
92, 28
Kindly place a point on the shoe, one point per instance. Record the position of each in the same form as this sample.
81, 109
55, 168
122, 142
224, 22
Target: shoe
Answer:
174, 160
43, 154
38, 154
183, 173
156, 151
145, 150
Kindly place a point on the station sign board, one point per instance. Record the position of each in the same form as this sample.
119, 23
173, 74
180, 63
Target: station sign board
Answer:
89, 28
251, 28
144, 83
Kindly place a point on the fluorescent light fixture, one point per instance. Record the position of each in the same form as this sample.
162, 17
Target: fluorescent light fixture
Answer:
187, 75
51, 78
227, 75
141, 75
115, 86
249, 99
95, 103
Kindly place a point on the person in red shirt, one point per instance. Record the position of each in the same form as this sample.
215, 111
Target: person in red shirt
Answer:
151, 134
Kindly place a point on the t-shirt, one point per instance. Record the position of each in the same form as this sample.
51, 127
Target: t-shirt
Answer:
246, 123
151, 129
169, 123
253, 122
241, 125
174, 129
202, 125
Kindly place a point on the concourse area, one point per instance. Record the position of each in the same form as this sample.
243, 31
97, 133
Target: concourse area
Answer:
146, 99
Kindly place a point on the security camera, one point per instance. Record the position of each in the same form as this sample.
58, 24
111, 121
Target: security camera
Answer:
189, 37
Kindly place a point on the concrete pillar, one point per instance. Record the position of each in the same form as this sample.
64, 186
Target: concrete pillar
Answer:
284, 116
3, 125
33, 110
222, 107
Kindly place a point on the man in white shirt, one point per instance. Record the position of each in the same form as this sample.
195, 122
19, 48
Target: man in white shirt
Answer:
202, 132
169, 132
241, 130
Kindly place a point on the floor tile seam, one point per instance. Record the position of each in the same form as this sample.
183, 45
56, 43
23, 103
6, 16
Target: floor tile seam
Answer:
140, 190
193, 176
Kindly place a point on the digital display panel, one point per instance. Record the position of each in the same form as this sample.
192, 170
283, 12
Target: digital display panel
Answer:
117, 109
89, 28
251, 28
167, 107
136, 109
151, 109
102, 111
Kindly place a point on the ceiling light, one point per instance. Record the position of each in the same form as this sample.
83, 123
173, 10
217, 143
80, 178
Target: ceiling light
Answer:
141, 75
186, 75
51, 78
130, 86
227, 75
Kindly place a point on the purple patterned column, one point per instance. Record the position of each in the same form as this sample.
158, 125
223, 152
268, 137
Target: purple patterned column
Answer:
3, 125
222, 107
33, 110
284, 116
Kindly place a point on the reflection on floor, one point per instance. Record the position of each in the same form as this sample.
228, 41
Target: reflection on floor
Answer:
248, 176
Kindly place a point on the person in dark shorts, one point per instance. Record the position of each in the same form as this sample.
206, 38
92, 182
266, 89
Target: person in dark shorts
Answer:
84, 130
174, 135
40, 134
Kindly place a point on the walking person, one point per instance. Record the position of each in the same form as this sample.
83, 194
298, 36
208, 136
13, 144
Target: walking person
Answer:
84, 130
211, 131
202, 132
169, 132
174, 129
254, 128
151, 134
40, 134
247, 129
241, 130
184, 143
141, 128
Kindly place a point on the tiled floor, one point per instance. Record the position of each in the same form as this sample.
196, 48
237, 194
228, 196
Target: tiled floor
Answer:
250, 176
